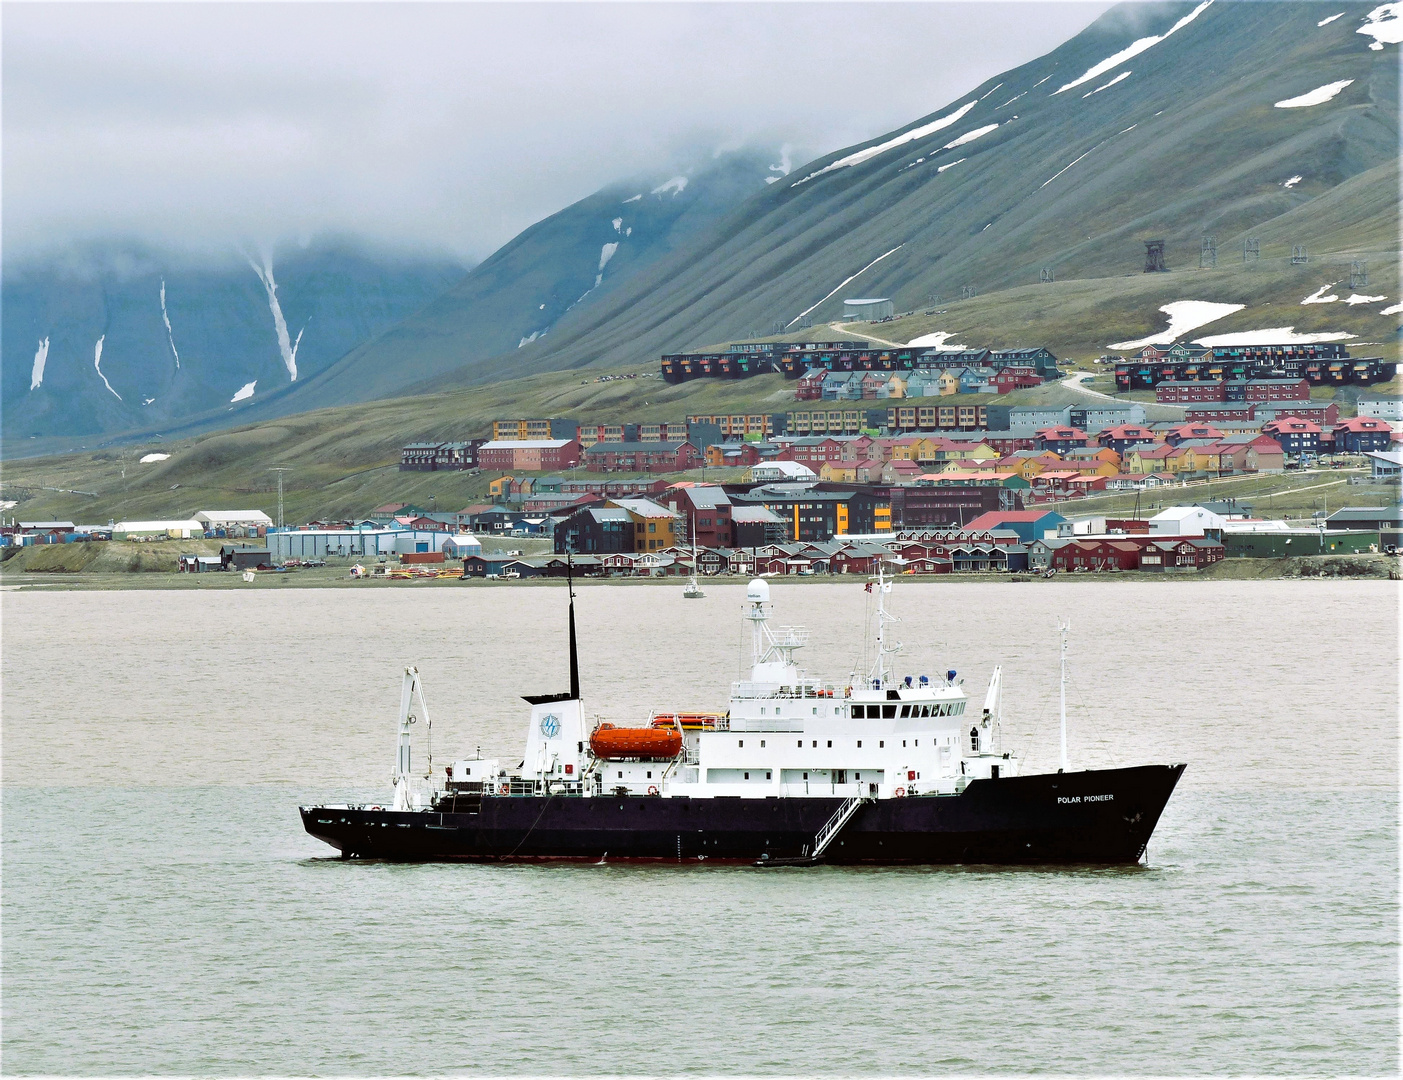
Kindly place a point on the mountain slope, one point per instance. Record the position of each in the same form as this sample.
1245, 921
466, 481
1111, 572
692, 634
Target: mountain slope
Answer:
552, 273
180, 341
1068, 162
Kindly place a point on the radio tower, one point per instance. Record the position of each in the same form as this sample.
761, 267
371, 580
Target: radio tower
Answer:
280, 469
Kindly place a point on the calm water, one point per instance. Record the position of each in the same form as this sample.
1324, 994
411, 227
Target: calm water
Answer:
164, 913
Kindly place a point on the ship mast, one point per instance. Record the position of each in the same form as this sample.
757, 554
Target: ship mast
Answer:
1062, 628
880, 673
574, 654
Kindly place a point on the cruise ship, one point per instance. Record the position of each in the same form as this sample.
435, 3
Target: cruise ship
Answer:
876, 767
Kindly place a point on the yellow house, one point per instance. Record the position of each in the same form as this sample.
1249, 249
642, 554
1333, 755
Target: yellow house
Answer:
499, 487
896, 387
1144, 462
839, 472
978, 452
1029, 467
948, 383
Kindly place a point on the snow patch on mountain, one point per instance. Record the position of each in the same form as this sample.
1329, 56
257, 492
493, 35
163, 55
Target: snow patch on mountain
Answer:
165, 318
970, 136
1384, 24
1329, 19
1107, 86
1184, 316
1011, 100
952, 164
618, 224
147, 459
936, 340
676, 185
1133, 49
1274, 335
1291, 181
1318, 96
97, 366
989, 91
900, 140
634, 199
606, 253
534, 335
1358, 298
287, 348
1319, 297
245, 391
843, 283
41, 357
1392, 310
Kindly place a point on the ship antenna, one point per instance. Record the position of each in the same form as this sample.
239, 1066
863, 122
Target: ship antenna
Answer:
574, 653
1063, 627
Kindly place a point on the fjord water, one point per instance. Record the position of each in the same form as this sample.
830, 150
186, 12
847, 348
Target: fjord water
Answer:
165, 913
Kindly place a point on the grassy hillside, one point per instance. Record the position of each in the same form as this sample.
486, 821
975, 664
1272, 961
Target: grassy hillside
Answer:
344, 461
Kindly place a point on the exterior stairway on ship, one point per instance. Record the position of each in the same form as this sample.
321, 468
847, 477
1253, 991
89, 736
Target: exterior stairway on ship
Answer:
823, 838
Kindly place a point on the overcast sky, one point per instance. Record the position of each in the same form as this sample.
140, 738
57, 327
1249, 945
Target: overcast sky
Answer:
445, 127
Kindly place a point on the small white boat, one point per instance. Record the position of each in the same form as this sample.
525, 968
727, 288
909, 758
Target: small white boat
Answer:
693, 590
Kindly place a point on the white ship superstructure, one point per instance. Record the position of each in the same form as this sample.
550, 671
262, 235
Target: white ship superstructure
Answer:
790, 734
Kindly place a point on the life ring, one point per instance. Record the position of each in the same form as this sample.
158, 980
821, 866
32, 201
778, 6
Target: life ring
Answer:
652, 789
899, 793
505, 789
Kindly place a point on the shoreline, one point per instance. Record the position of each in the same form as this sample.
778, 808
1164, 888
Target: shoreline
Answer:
1310, 568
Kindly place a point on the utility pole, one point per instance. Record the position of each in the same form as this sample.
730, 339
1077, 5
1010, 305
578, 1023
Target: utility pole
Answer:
280, 469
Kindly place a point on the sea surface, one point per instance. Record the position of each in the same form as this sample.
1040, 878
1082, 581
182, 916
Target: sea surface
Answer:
164, 913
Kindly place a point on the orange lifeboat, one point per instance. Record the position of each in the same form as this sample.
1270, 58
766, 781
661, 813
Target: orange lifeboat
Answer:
612, 742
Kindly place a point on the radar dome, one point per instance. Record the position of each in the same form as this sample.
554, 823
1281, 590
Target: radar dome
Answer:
758, 592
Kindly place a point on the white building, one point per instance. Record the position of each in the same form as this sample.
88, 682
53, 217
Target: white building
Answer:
770, 471
461, 545
233, 519
319, 543
1382, 408
176, 530
1187, 521
1387, 464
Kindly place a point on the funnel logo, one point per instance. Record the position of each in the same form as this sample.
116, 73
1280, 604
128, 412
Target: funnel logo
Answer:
550, 725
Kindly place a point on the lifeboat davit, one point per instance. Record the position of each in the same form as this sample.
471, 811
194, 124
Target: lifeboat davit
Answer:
612, 742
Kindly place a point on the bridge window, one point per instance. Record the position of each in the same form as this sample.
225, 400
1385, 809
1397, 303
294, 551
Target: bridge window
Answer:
762, 743
830, 744
906, 710
859, 744
881, 744
740, 742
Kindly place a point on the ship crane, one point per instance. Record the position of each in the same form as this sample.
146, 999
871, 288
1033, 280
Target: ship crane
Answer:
403, 775
992, 715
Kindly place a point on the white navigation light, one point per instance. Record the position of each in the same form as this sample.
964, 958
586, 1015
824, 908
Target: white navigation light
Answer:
758, 592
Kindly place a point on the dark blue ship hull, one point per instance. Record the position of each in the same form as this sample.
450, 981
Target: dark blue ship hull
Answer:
1098, 816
